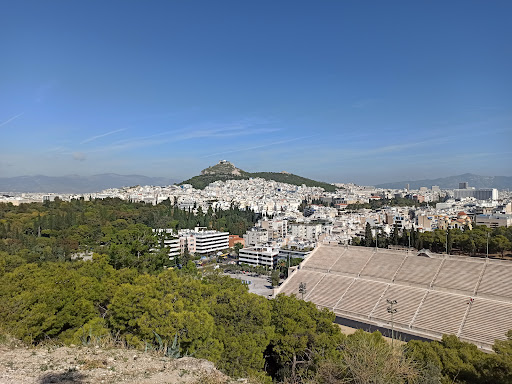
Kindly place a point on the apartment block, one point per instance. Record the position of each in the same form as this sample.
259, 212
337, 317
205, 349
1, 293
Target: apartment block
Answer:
264, 256
202, 241
256, 236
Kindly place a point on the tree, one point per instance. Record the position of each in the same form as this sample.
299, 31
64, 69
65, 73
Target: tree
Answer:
395, 234
369, 358
368, 238
274, 278
302, 334
500, 243
237, 247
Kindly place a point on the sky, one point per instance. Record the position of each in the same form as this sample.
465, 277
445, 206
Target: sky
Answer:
339, 91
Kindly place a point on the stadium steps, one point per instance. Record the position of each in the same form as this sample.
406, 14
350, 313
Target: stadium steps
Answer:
487, 320
360, 298
399, 267
441, 313
378, 301
407, 304
382, 266
323, 258
496, 281
417, 271
311, 290
329, 290
470, 303
344, 293
479, 281
432, 299
301, 276
418, 309
458, 276
431, 285
351, 262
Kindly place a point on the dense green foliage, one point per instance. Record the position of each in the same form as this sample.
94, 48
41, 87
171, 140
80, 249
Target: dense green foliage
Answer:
123, 230
470, 241
124, 294
460, 362
201, 181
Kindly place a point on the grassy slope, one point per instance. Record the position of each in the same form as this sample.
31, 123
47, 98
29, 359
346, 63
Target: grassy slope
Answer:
201, 181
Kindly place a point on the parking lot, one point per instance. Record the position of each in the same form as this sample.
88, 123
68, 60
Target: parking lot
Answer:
258, 284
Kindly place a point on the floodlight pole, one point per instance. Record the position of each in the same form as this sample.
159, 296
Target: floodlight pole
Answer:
392, 311
302, 289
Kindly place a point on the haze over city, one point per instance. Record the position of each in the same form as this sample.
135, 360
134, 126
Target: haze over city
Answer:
336, 91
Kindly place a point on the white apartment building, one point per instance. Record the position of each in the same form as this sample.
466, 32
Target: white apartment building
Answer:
479, 194
256, 236
202, 241
306, 231
265, 256
167, 239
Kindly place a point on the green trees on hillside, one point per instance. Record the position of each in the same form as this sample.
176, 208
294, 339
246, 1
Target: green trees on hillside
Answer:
214, 317
57, 230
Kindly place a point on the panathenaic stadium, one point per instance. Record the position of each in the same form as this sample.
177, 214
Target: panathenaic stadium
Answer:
435, 294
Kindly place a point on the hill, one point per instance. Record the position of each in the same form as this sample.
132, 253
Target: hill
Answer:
24, 365
451, 182
225, 170
77, 184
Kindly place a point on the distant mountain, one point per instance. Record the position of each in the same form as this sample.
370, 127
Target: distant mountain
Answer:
225, 170
77, 184
452, 182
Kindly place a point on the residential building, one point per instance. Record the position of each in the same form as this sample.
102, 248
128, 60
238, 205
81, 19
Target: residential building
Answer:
166, 238
264, 256
494, 221
308, 231
256, 236
202, 241
276, 228
479, 194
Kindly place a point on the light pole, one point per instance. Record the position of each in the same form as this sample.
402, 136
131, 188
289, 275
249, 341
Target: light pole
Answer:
302, 289
392, 311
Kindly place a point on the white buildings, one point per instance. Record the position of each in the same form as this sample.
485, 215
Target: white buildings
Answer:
265, 256
308, 231
167, 239
256, 236
277, 228
201, 241
494, 221
479, 194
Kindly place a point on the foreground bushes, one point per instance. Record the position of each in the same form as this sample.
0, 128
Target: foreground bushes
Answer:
214, 317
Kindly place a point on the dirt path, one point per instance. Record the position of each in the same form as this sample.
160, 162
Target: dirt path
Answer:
26, 365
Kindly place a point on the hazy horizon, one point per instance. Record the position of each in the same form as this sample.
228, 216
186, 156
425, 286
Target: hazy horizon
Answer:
334, 91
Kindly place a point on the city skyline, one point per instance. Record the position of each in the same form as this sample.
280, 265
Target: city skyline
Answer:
338, 92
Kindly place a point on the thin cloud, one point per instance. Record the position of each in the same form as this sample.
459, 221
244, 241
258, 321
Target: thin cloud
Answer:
183, 135
79, 156
11, 119
102, 135
259, 146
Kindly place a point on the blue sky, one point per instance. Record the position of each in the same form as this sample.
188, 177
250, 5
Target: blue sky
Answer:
341, 91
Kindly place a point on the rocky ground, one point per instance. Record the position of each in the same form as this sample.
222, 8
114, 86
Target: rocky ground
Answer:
20, 364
